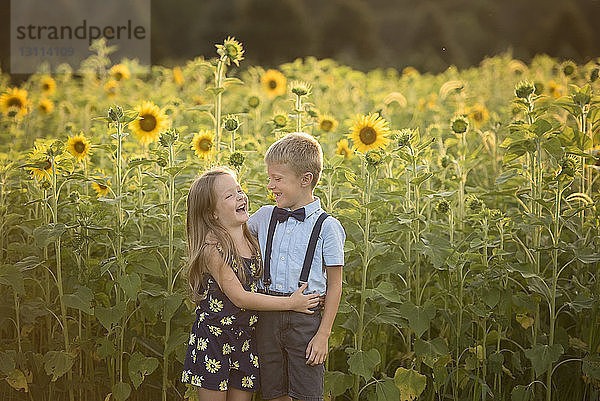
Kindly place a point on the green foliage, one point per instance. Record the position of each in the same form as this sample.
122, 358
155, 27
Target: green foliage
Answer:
470, 258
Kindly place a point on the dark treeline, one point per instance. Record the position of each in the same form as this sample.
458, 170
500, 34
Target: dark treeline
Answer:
427, 34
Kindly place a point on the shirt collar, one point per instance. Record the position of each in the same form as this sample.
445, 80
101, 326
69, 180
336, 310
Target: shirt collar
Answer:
312, 206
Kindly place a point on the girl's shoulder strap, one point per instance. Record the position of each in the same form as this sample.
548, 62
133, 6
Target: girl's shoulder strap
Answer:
227, 259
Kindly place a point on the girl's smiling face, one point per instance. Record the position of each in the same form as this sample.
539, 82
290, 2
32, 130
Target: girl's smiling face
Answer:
231, 206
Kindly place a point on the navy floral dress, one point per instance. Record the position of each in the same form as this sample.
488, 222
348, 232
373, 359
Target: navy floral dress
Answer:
222, 348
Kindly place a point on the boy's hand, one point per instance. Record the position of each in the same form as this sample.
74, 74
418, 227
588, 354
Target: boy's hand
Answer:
317, 349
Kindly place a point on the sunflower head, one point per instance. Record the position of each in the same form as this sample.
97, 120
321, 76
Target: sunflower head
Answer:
151, 121
40, 163
344, 149
253, 102
280, 120
445, 161
327, 123
568, 68
479, 114
410, 71
301, 88
236, 159
101, 183
231, 123
120, 72
111, 88
45, 106
404, 136
474, 204
48, 85
568, 167
78, 146
374, 158
274, 83
115, 114
459, 125
168, 137
202, 143
231, 50
539, 88
524, 89
554, 89
14, 102
369, 132
442, 207
178, 76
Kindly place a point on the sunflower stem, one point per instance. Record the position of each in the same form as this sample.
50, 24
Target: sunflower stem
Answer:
171, 203
366, 198
59, 279
219, 88
298, 113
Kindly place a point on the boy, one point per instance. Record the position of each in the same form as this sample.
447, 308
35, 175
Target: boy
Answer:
299, 243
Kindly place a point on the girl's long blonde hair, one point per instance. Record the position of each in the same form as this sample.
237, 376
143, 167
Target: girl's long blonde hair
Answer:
201, 205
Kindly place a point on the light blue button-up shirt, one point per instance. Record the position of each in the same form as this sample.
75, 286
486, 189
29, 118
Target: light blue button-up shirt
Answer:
290, 242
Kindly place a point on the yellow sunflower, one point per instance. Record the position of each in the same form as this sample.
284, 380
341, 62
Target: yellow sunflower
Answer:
274, 83
178, 76
120, 72
45, 106
41, 163
48, 85
410, 71
344, 149
231, 50
479, 114
369, 132
111, 87
79, 147
151, 122
327, 123
14, 101
202, 143
554, 89
100, 184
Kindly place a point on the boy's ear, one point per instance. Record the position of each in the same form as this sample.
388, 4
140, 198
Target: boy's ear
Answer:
306, 179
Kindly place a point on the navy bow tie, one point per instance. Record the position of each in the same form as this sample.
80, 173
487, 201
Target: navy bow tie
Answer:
282, 214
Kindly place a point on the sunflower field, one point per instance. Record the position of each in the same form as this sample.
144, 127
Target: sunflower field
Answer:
470, 201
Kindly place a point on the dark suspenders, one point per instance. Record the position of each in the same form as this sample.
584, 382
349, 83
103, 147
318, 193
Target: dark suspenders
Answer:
310, 251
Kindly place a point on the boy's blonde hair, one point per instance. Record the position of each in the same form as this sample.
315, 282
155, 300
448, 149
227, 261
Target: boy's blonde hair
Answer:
301, 152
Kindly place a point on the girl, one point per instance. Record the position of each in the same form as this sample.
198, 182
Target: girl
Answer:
223, 269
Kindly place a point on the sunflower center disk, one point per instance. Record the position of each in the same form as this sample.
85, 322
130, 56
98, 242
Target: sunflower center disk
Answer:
148, 122
79, 147
272, 84
204, 145
368, 135
14, 101
326, 125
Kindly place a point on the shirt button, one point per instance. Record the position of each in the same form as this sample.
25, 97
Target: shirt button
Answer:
283, 258
279, 286
287, 231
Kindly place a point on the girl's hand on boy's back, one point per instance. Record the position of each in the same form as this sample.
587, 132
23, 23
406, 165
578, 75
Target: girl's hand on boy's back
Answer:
303, 303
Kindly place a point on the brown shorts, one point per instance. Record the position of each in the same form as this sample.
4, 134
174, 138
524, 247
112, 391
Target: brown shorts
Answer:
282, 338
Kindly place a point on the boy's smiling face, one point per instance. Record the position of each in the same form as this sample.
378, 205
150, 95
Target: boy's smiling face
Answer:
290, 190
